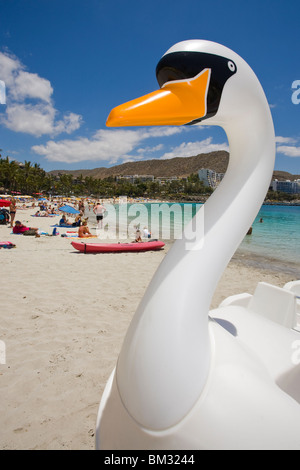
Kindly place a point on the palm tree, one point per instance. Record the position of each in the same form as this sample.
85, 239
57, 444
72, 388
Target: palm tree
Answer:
9, 174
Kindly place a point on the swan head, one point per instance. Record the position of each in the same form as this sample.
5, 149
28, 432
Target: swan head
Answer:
199, 81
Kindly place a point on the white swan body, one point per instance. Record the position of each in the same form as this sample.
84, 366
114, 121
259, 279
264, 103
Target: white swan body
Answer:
184, 380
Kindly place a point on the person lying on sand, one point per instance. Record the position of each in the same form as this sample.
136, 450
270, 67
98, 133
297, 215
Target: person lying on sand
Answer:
19, 228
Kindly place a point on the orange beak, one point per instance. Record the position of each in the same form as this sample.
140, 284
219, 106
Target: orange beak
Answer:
176, 103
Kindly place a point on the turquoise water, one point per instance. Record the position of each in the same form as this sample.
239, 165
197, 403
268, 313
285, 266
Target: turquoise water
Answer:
276, 238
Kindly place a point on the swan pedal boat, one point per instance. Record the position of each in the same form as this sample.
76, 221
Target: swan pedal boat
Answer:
188, 377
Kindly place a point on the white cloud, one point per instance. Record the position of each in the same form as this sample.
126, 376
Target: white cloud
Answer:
289, 151
70, 123
120, 145
105, 145
9, 65
130, 158
147, 150
285, 140
38, 120
29, 102
166, 131
189, 149
30, 85
30, 119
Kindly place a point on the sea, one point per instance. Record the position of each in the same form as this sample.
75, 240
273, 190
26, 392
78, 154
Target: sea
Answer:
274, 242
277, 236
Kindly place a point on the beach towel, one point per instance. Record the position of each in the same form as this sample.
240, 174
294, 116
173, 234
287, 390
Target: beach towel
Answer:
65, 226
7, 245
68, 235
49, 215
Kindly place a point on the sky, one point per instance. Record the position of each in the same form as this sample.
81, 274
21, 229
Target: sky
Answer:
64, 64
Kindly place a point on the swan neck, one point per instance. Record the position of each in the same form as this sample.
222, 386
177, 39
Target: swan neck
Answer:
166, 356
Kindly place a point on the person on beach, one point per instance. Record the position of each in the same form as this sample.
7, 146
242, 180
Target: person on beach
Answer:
78, 220
64, 221
84, 231
146, 233
12, 211
138, 237
81, 206
99, 210
19, 228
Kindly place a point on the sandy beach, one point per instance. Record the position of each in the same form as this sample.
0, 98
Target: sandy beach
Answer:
63, 319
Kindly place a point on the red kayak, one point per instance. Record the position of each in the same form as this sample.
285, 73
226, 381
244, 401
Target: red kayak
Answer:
117, 247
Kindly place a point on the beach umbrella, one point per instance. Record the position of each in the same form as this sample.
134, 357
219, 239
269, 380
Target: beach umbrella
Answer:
69, 210
4, 203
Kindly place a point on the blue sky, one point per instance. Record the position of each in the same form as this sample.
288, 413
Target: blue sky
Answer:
67, 63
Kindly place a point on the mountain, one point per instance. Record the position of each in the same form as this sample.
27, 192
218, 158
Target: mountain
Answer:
284, 175
179, 166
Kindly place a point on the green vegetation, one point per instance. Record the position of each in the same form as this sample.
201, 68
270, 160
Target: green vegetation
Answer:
28, 179
279, 196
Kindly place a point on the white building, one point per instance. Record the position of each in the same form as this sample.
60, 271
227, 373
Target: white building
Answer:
166, 179
210, 178
135, 178
287, 186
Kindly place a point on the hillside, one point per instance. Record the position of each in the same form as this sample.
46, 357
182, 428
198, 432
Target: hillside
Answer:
180, 167
173, 167
284, 175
